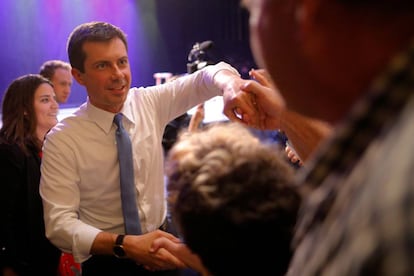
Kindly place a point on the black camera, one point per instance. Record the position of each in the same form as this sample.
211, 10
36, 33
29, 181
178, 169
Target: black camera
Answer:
197, 57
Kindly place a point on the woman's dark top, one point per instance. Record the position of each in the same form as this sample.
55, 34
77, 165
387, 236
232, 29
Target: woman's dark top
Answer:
23, 244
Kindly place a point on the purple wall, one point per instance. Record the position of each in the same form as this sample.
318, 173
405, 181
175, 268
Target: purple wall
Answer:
160, 34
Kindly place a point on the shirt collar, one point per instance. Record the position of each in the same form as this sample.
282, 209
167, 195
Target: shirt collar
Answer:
104, 119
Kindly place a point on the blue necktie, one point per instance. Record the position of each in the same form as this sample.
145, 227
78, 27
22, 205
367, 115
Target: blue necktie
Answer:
126, 171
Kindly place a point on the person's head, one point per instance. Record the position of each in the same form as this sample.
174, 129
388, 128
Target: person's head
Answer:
29, 111
98, 54
322, 54
232, 196
59, 73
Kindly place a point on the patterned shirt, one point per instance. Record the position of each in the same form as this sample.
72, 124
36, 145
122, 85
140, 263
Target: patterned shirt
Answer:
359, 217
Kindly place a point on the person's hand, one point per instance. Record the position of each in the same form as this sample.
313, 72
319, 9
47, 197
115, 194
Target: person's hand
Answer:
268, 103
196, 118
263, 77
138, 248
199, 113
238, 105
181, 251
292, 156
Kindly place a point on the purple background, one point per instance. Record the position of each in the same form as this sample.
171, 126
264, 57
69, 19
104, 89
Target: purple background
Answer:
160, 34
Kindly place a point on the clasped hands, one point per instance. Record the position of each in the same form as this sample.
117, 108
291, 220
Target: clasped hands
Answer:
256, 103
159, 250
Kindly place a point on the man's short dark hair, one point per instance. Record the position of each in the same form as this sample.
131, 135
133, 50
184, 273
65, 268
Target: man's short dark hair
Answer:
91, 31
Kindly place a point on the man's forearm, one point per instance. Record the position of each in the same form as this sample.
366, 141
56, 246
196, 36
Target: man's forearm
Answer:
103, 244
304, 133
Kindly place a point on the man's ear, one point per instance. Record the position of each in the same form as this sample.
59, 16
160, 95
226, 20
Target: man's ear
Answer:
78, 76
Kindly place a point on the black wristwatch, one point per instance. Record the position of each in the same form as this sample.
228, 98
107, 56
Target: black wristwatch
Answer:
118, 249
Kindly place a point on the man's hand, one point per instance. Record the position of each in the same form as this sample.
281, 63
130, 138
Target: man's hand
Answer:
263, 77
138, 248
238, 106
268, 104
181, 251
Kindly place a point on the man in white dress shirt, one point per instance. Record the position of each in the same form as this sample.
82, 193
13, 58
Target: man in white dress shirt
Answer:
80, 174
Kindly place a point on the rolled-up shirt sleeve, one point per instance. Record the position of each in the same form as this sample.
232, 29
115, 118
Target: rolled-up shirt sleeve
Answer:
61, 195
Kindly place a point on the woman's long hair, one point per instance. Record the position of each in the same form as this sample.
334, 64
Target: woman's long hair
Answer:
18, 115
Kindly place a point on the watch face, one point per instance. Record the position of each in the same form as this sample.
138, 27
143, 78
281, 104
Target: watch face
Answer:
119, 251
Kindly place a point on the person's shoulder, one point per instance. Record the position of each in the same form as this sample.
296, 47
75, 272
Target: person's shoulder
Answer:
7, 147
11, 153
63, 125
66, 128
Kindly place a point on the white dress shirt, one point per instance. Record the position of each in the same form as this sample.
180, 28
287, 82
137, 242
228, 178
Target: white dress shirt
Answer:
80, 174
